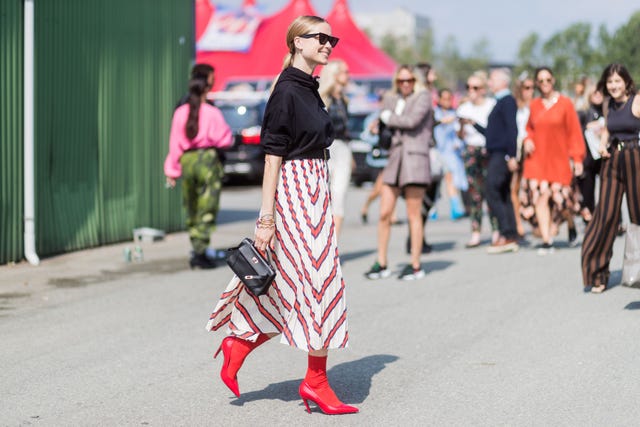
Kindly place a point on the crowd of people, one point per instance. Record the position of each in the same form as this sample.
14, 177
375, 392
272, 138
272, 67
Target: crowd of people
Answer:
530, 159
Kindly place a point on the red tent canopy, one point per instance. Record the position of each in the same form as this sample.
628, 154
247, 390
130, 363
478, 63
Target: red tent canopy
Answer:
204, 12
355, 48
264, 59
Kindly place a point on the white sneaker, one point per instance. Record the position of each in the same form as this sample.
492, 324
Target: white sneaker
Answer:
545, 249
377, 272
408, 273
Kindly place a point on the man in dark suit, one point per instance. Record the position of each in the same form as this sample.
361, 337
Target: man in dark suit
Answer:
501, 134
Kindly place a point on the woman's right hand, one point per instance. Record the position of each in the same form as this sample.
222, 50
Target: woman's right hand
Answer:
604, 152
170, 183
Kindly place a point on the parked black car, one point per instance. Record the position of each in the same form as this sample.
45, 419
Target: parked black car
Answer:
244, 160
360, 149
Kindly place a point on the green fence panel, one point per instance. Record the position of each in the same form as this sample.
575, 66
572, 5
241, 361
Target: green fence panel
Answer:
108, 75
11, 156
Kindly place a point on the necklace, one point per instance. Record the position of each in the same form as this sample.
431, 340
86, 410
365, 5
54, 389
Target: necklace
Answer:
619, 104
550, 102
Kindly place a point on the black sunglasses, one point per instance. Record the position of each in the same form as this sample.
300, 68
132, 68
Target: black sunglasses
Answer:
322, 38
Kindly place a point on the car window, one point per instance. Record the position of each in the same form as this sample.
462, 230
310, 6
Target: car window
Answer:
356, 124
241, 116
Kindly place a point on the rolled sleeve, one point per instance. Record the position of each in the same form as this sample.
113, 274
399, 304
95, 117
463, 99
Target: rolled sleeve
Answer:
276, 135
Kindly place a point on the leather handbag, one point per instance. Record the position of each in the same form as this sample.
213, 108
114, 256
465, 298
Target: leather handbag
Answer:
251, 267
385, 136
631, 261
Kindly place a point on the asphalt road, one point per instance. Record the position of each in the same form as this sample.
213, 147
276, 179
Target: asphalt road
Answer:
482, 340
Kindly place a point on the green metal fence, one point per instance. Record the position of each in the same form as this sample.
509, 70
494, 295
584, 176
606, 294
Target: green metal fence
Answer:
108, 74
11, 205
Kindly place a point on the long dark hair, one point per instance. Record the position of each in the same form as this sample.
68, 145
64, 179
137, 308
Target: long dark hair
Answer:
620, 70
196, 88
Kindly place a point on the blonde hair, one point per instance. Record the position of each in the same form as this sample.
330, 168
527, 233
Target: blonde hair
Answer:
328, 79
589, 90
518, 92
394, 85
301, 25
482, 76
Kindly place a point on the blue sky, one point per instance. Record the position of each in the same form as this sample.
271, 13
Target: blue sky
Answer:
504, 23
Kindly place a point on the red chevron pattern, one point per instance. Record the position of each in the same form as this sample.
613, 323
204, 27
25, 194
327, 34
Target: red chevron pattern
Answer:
306, 302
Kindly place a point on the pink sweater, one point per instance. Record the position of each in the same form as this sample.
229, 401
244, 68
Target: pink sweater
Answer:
213, 131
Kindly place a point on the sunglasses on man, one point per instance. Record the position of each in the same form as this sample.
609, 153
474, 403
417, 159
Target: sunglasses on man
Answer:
322, 38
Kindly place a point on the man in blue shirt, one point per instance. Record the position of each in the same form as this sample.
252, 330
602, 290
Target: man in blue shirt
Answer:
501, 134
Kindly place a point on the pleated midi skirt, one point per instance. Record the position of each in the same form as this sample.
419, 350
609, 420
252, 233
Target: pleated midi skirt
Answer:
306, 302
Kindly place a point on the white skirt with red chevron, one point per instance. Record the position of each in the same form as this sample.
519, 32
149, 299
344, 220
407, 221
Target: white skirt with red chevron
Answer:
306, 302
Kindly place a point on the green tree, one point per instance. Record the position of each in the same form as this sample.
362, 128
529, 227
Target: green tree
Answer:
405, 52
425, 46
575, 51
454, 68
398, 48
448, 61
528, 55
623, 45
570, 53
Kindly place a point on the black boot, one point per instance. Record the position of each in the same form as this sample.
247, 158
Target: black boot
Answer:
573, 236
426, 248
201, 261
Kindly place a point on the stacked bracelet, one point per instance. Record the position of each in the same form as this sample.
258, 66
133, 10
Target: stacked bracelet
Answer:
266, 221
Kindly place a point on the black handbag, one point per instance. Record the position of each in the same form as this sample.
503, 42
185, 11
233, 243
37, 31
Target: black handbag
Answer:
251, 267
385, 134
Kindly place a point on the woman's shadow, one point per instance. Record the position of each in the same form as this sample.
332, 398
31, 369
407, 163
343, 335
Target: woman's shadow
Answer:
350, 380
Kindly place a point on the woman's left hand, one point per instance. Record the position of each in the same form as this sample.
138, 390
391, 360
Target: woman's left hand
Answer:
529, 146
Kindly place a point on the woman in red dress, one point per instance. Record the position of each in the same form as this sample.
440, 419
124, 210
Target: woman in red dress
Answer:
554, 151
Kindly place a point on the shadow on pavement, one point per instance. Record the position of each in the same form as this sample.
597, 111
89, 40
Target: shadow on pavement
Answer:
350, 380
633, 306
442, 246
615, 279
349, 256
430, 267
227, 216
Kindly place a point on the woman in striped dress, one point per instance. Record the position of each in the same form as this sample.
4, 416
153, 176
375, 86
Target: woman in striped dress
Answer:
306, 302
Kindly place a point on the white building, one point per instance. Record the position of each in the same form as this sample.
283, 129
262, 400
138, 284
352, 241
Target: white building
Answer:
399, 22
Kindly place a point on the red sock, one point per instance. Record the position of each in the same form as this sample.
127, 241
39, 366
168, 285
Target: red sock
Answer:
240, 350
316, 378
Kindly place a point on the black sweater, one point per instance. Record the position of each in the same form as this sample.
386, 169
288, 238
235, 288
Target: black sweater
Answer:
296, 123
502, 129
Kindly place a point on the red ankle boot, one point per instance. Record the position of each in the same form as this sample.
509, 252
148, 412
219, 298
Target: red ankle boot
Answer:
235, 350
315, 387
